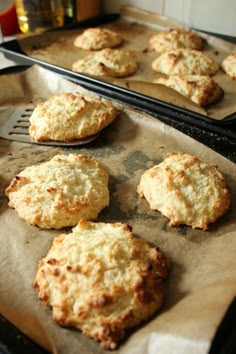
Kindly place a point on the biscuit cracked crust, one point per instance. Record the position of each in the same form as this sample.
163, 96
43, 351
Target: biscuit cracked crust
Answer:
186, 190
229, 65
102, 280
185, 62
108, 62
175, 38
70, 116
97, 39
202, 90
60, 192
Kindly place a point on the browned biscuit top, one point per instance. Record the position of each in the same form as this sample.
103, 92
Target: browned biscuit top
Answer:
186, 190
102, 280
176, 38
229, 65
70, 116
60, 192
97, 39
108, 62
185, 62
201, 89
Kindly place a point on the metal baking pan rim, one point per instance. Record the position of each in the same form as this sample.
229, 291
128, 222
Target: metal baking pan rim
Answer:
166, 115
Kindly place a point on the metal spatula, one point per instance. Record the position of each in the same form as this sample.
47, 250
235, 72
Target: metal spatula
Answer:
17, 128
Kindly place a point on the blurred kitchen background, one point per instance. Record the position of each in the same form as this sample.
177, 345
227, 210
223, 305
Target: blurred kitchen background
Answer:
217, 16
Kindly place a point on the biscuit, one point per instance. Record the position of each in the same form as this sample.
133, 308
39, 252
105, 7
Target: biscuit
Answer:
60, 192
102, 280
70, 116
229, 65
175, 38
97, 39
108, 62
201, 89
185, 62
186, 190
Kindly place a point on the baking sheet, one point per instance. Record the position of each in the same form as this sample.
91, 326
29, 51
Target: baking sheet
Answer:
202, 280
137, 27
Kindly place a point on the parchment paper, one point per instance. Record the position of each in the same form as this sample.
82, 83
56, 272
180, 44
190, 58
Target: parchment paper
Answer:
202, 281
136, 27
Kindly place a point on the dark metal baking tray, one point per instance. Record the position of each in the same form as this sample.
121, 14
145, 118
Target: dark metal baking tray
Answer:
221, 139
157, 108
12, 50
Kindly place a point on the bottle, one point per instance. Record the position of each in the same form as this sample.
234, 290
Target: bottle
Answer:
39, 15
69, 11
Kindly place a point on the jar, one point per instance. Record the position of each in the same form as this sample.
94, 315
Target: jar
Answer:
39, 15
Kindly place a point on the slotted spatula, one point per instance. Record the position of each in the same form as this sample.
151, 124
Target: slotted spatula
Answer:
17, 128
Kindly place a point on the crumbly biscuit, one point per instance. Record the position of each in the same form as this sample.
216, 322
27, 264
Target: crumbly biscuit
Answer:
229, 65
70, 116
60, 192
185, 62
186, 190
175, 38
97, 39
201, 89
110, 62
102, 280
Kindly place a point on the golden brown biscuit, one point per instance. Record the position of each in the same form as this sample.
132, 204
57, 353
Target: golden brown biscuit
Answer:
175, 38
102, 280
185, 62
97, 39
60, 192
70, 116
186, 190
229, 65
201, 89
108, 62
